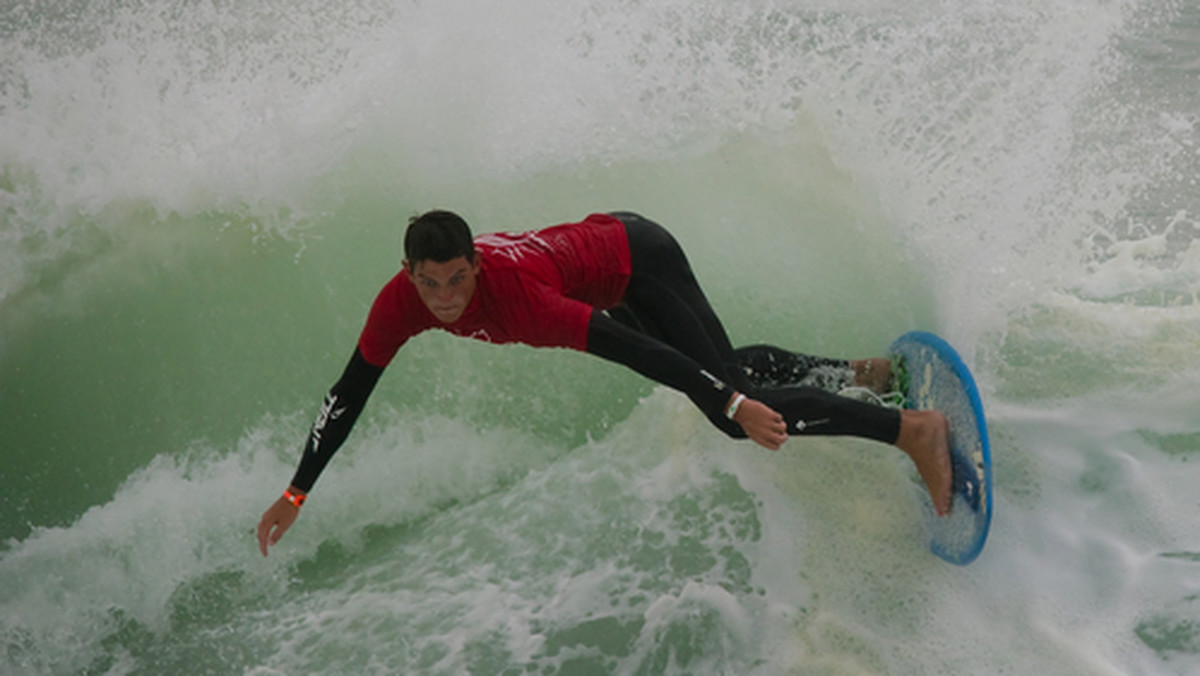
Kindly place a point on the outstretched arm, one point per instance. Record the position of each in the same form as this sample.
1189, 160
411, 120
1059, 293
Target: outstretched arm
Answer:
339, 412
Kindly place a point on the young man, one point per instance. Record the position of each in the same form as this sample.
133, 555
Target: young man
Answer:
617, 286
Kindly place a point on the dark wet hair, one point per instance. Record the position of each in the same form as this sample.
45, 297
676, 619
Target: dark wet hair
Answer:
438, 236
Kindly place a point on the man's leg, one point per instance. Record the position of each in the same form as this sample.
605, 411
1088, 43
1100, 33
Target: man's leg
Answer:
767, 366
664, 300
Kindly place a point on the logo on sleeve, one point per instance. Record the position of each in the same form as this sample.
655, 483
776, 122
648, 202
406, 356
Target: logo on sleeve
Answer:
716, 383
328, 412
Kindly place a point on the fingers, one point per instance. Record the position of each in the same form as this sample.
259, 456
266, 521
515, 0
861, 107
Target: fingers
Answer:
772, 441
775, 432
264, 529
771, 435
269, 531
274, 523
762, 424
269, 534
277, 535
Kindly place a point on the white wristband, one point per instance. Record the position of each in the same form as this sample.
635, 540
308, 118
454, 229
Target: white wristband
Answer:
737, 401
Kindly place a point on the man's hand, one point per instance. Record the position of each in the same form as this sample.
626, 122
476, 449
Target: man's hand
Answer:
761, 423
275, 522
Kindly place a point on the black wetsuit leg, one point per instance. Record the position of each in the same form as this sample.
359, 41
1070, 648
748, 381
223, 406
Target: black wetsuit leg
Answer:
767, 366
664, 301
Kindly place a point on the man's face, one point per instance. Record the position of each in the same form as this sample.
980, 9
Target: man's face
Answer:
445, 288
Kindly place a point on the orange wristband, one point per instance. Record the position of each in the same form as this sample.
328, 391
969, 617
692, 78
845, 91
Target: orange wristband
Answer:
296, 499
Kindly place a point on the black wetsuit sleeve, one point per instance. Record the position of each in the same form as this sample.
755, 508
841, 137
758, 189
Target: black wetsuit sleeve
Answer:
609, 339
339, 412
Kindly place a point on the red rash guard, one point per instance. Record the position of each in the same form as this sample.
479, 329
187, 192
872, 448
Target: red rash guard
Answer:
537, 288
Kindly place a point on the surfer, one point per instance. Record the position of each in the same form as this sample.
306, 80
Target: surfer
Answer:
620, 287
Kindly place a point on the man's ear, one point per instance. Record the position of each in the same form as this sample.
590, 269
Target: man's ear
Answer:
406, 268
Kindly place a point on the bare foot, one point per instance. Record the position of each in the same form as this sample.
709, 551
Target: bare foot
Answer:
874, 374
925, 437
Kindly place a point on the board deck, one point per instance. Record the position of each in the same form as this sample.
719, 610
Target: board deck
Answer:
938, 379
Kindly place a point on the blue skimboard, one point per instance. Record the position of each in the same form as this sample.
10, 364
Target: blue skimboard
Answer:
938, 379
